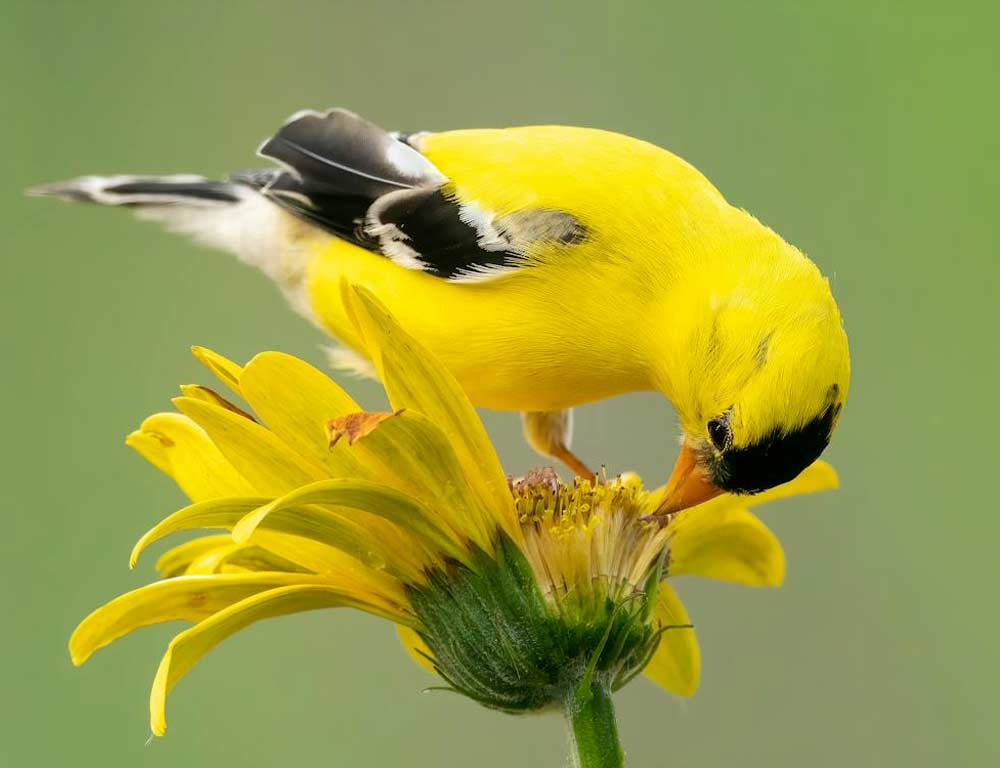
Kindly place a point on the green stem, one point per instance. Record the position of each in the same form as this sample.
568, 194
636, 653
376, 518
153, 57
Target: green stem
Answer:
593, 729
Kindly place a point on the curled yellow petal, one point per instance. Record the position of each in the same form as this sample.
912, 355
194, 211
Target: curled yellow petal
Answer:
323, 525
215, 561
726, 543
178, 447
175, 561
245, 557
191, 598
189, 646
213, 513
363, 496
209, 395
225, 369
676, 664
414, 379
308, 554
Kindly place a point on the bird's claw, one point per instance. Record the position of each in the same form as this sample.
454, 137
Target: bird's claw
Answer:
658, 520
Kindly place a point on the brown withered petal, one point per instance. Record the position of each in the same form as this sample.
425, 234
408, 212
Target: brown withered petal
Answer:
354, 426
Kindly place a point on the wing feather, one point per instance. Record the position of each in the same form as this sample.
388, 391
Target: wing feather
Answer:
361, 183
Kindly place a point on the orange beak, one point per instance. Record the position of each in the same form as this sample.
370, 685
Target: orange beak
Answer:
687, 485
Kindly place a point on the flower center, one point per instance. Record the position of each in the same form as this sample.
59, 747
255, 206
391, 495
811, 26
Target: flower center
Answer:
587, 536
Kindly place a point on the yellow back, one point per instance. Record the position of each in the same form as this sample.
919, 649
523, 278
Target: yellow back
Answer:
672, 289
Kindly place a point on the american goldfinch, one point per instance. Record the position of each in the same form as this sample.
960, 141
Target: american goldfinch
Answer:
546, 266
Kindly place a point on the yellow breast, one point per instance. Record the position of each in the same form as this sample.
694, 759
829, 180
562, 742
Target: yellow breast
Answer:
523, 342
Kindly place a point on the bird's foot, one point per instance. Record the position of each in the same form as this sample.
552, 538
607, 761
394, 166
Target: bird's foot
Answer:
661, 520
539, 477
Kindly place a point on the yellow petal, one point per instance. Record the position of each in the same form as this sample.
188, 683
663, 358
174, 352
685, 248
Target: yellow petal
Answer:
323, 525
181, 449
226, 370
676, 665
415, 456
198, 392
341, 568
249, 557
189, 646
416, 647
214, 513
726, 543
414, 379
270, 466
175, 561
296, 401
308, 554
215, 561
363, 496
320, 525
191, 598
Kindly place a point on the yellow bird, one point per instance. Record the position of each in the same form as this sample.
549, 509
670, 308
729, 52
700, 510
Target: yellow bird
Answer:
546, 266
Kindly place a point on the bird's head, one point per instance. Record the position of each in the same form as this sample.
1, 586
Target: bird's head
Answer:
758, 388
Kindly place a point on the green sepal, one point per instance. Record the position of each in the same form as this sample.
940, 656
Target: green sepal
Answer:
498, 640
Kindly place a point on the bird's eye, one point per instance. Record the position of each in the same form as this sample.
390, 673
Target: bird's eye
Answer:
718, 430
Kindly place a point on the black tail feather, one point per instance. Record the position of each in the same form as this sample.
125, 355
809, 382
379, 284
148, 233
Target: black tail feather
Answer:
128, 190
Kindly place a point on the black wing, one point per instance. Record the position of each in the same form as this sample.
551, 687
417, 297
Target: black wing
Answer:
373, 188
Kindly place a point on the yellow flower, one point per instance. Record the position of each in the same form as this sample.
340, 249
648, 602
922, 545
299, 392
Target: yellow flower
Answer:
517, 595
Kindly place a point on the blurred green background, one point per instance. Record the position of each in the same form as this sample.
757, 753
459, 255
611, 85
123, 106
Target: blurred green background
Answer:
865, 132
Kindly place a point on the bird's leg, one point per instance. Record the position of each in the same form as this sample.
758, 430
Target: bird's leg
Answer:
573, 462
550, 433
